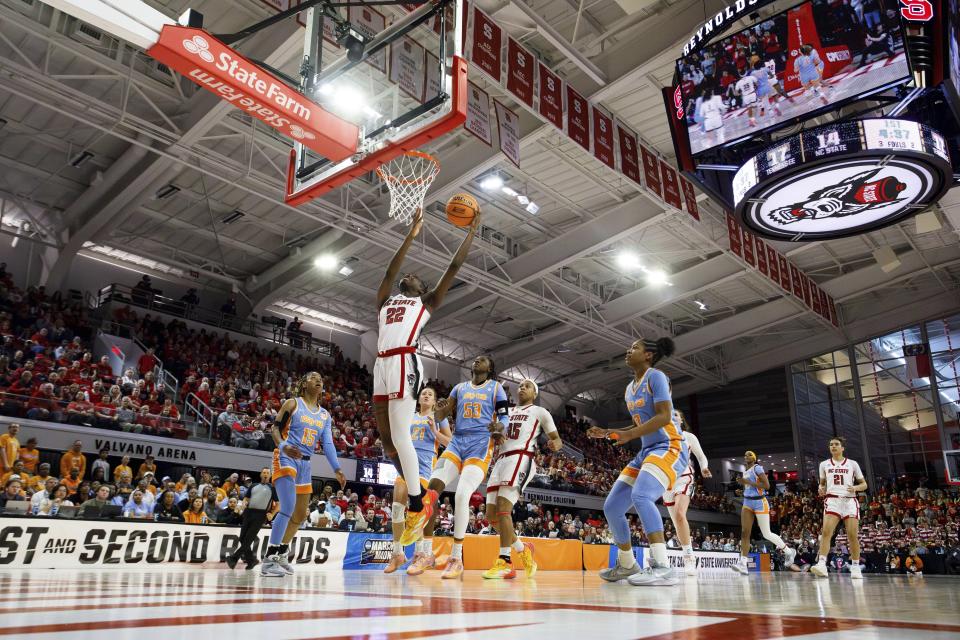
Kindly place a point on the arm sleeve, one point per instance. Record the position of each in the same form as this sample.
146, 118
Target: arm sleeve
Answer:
659, 387
500, 399
694, 443
547, 424
328, 449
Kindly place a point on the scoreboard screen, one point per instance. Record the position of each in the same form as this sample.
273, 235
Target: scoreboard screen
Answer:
794, 64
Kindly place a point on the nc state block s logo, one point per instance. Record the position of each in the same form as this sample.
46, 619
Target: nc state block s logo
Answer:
916, 10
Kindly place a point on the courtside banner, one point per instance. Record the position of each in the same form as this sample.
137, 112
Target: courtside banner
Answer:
45, 543
371, 551
214, 66
708, 562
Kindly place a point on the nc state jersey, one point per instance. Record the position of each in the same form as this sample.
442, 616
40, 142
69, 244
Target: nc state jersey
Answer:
525, 425
401, 320
840, 476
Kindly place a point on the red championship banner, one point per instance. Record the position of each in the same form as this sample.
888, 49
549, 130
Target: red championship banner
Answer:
748, 247
784, 271
478, 113
651, 171
407, 67
578, 118
629, 161
690, 199
795, 278
195, 54
736, 238
370, 22
508, 130
805, 283
824, 304
834, 318
671, 186
520, 70
774, 264
603, 137
487, 44
551, 96
815, 298
760, 248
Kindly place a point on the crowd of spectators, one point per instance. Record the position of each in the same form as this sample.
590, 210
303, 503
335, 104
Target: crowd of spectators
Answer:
900, 525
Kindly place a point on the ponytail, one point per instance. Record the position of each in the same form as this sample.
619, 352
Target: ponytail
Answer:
660, 348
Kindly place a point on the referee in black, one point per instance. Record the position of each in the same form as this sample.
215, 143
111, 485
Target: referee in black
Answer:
262, 499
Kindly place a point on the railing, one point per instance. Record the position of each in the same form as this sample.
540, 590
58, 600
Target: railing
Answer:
56, 410
167, 379
117, 294
202, 413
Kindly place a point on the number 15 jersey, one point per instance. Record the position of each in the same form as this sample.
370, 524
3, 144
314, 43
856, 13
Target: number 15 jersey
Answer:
525, 425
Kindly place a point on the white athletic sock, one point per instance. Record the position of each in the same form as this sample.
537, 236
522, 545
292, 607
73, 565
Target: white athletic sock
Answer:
397, 548
743, 560
518, 545
457, 552
626, 559
505, 551
401, 415
821, 559
659, 552
688, 549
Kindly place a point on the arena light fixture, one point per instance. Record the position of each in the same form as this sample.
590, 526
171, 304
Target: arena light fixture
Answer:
523, 200
628, 260
510, 192
701, 305
346, 270
657, 277
326, 262
491, 182
533, 208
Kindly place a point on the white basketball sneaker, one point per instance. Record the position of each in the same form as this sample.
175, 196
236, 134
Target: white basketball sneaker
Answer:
271, 568
284, 563
655, 576
617, 572
689, 564
856, 573
741, 566
789, 555
819, 569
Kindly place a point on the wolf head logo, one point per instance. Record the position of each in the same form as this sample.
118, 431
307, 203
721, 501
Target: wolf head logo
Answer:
853, 195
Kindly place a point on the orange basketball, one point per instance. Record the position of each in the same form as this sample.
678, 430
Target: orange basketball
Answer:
462, 208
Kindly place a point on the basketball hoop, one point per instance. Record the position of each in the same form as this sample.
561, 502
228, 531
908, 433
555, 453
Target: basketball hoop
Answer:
408, 177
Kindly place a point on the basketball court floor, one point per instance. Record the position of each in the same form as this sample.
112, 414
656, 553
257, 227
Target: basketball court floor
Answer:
214, 603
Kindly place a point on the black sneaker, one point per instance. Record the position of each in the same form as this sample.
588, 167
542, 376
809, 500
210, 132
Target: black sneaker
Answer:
232, 561
252, 564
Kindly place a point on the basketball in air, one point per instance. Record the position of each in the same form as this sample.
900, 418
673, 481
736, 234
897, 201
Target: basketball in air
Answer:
462, 208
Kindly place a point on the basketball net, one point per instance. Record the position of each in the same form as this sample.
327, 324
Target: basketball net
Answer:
408, 177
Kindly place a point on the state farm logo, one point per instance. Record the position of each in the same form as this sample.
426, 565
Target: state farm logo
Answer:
199, 46
299, 134
837, 56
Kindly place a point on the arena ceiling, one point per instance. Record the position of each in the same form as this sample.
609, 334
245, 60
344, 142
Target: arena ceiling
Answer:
555, 301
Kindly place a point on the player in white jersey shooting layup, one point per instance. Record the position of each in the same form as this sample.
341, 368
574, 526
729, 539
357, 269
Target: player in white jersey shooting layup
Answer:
840, 481
512, 471
677, 499
397, 374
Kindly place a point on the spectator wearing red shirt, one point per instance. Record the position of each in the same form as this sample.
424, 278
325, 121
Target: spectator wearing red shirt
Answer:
147, 362
42, 404
104, 370
81, 411
363, 450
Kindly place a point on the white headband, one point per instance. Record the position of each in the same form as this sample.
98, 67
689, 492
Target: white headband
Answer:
536, 389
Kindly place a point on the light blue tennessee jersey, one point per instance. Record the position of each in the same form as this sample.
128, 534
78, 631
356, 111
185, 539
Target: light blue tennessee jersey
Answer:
477, 406
422, 434
752, 474
641, 398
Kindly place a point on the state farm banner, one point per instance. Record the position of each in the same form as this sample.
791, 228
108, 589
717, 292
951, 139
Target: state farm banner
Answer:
487, 44
603, 138
651, 171
748, 247
508, 131
214, 66
629, 160
407, 67
735, 235
194, 453
774, 264
690, 199
551, 96
478, 113
49, 543
760, 248
520, 70
671, 186
578, 118
370, 22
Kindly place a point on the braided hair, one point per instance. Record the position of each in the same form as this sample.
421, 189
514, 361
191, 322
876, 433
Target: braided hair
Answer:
298, 385
660, 348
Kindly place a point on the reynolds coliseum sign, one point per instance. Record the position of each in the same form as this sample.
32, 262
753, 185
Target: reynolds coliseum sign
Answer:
843, 179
